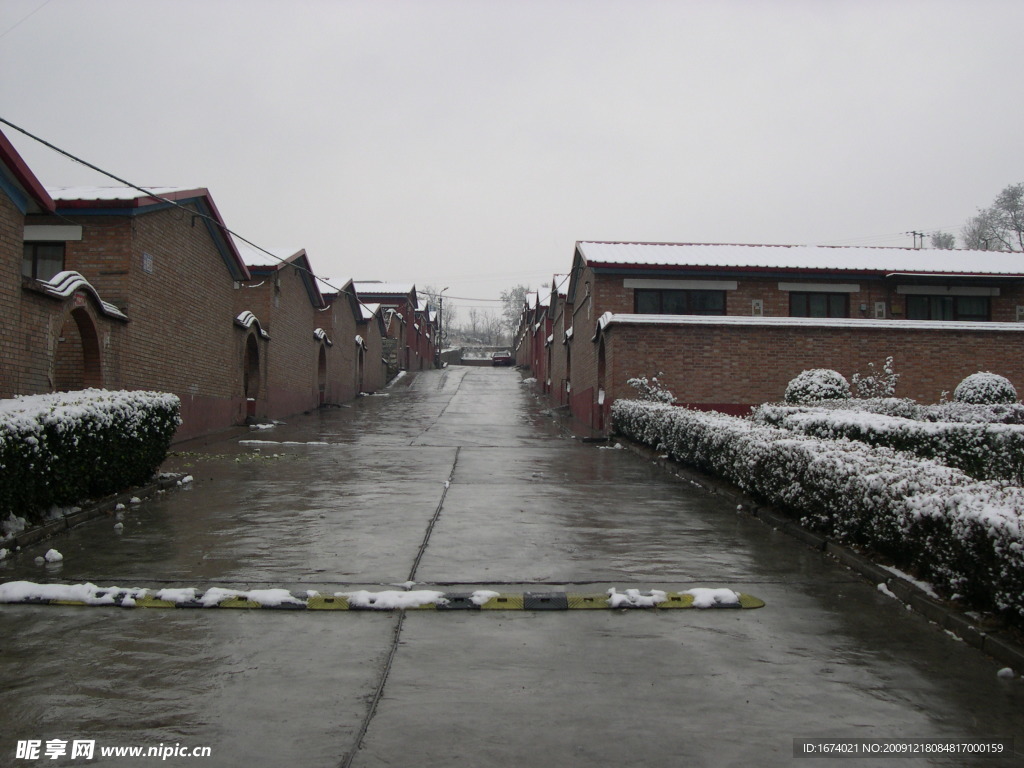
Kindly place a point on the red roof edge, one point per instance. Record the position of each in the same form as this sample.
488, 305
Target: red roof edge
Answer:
19, 168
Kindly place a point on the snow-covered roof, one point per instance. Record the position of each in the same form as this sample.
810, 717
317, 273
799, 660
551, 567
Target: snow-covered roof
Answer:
383, 289
369, 310
116, 193
803, 257
254, 257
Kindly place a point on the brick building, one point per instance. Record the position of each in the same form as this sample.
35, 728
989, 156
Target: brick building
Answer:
21, 195
727, 326
165, 264
412, 332
284, 295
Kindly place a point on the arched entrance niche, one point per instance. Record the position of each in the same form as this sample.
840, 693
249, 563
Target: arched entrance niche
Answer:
321, 375
602, 365
251, 373
76, 363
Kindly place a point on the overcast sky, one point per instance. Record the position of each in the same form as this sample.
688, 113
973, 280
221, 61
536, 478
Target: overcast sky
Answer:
470, 143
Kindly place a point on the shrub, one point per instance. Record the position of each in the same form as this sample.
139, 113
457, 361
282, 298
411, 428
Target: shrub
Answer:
963, 535
983, 450
817, 384
985, 389
67, 447
651, 390
877, 384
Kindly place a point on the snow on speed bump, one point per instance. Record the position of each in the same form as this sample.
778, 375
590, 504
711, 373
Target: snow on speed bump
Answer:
29, 593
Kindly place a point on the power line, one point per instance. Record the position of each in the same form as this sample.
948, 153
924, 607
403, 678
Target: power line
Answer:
176, 204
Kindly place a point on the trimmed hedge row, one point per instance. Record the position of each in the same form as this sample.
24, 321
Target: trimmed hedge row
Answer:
982, 450
963, 535
70, 446
908, 409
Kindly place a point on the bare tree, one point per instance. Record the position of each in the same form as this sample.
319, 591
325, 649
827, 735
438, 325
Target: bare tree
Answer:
1000, 227
943, 241
514, 300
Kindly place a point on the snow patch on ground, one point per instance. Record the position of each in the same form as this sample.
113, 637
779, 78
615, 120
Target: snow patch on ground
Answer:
706, 598
922, 585
391, 599
634, 598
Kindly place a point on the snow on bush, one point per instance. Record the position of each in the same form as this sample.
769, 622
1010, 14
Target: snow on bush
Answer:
983, 450
963, 535
62, 448
876, 384
817, 384
651, 390
946, 412
985, 389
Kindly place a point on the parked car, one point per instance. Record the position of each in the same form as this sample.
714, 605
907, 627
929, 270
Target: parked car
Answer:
502, 358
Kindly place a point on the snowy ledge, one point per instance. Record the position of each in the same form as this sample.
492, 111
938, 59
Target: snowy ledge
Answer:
610, 318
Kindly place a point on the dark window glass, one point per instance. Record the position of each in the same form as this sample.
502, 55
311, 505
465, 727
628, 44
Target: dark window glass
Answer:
965, 308
41, 261
679, 302
648, 302
819, 305
707, 302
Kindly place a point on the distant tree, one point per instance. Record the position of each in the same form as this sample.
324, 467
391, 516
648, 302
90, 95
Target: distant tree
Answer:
943, 241
513, 301
1000, 227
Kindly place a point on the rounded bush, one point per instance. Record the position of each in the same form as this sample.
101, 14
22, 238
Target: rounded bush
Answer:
985, 388
818, 384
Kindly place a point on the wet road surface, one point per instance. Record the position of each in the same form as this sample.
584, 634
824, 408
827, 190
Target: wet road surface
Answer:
457, 480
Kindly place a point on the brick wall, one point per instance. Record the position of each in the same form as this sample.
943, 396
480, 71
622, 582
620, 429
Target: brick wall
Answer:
732, 367
12, 342
281, 302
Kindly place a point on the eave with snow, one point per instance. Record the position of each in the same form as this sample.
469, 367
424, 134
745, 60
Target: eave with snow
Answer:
131, 202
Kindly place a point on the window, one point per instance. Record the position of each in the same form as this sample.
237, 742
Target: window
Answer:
679, 302
41, 261
819, 305
963, 308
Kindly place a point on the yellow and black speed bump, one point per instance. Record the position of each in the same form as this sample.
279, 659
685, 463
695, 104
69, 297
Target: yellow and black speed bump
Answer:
481, 600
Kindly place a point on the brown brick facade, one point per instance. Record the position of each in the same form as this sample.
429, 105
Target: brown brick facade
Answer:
734, 364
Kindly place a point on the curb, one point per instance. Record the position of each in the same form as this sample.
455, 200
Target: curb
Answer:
105, 506
992, 639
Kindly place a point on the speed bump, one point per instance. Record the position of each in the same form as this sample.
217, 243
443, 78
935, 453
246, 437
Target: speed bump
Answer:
503, 603
587, 602
26, 593
327, 603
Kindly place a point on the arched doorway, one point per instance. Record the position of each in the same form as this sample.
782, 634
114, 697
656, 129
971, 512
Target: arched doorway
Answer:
601, 367
77, 358
251, 374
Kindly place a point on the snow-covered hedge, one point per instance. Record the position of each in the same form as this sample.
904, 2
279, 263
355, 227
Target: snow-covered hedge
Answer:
965, 536
985, 388
63, 448
908, 409
982, 450
817, 384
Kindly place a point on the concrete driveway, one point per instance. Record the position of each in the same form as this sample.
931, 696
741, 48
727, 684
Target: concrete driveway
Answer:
458, 481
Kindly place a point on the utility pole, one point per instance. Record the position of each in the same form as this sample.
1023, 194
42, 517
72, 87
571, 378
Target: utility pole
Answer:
916, 236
